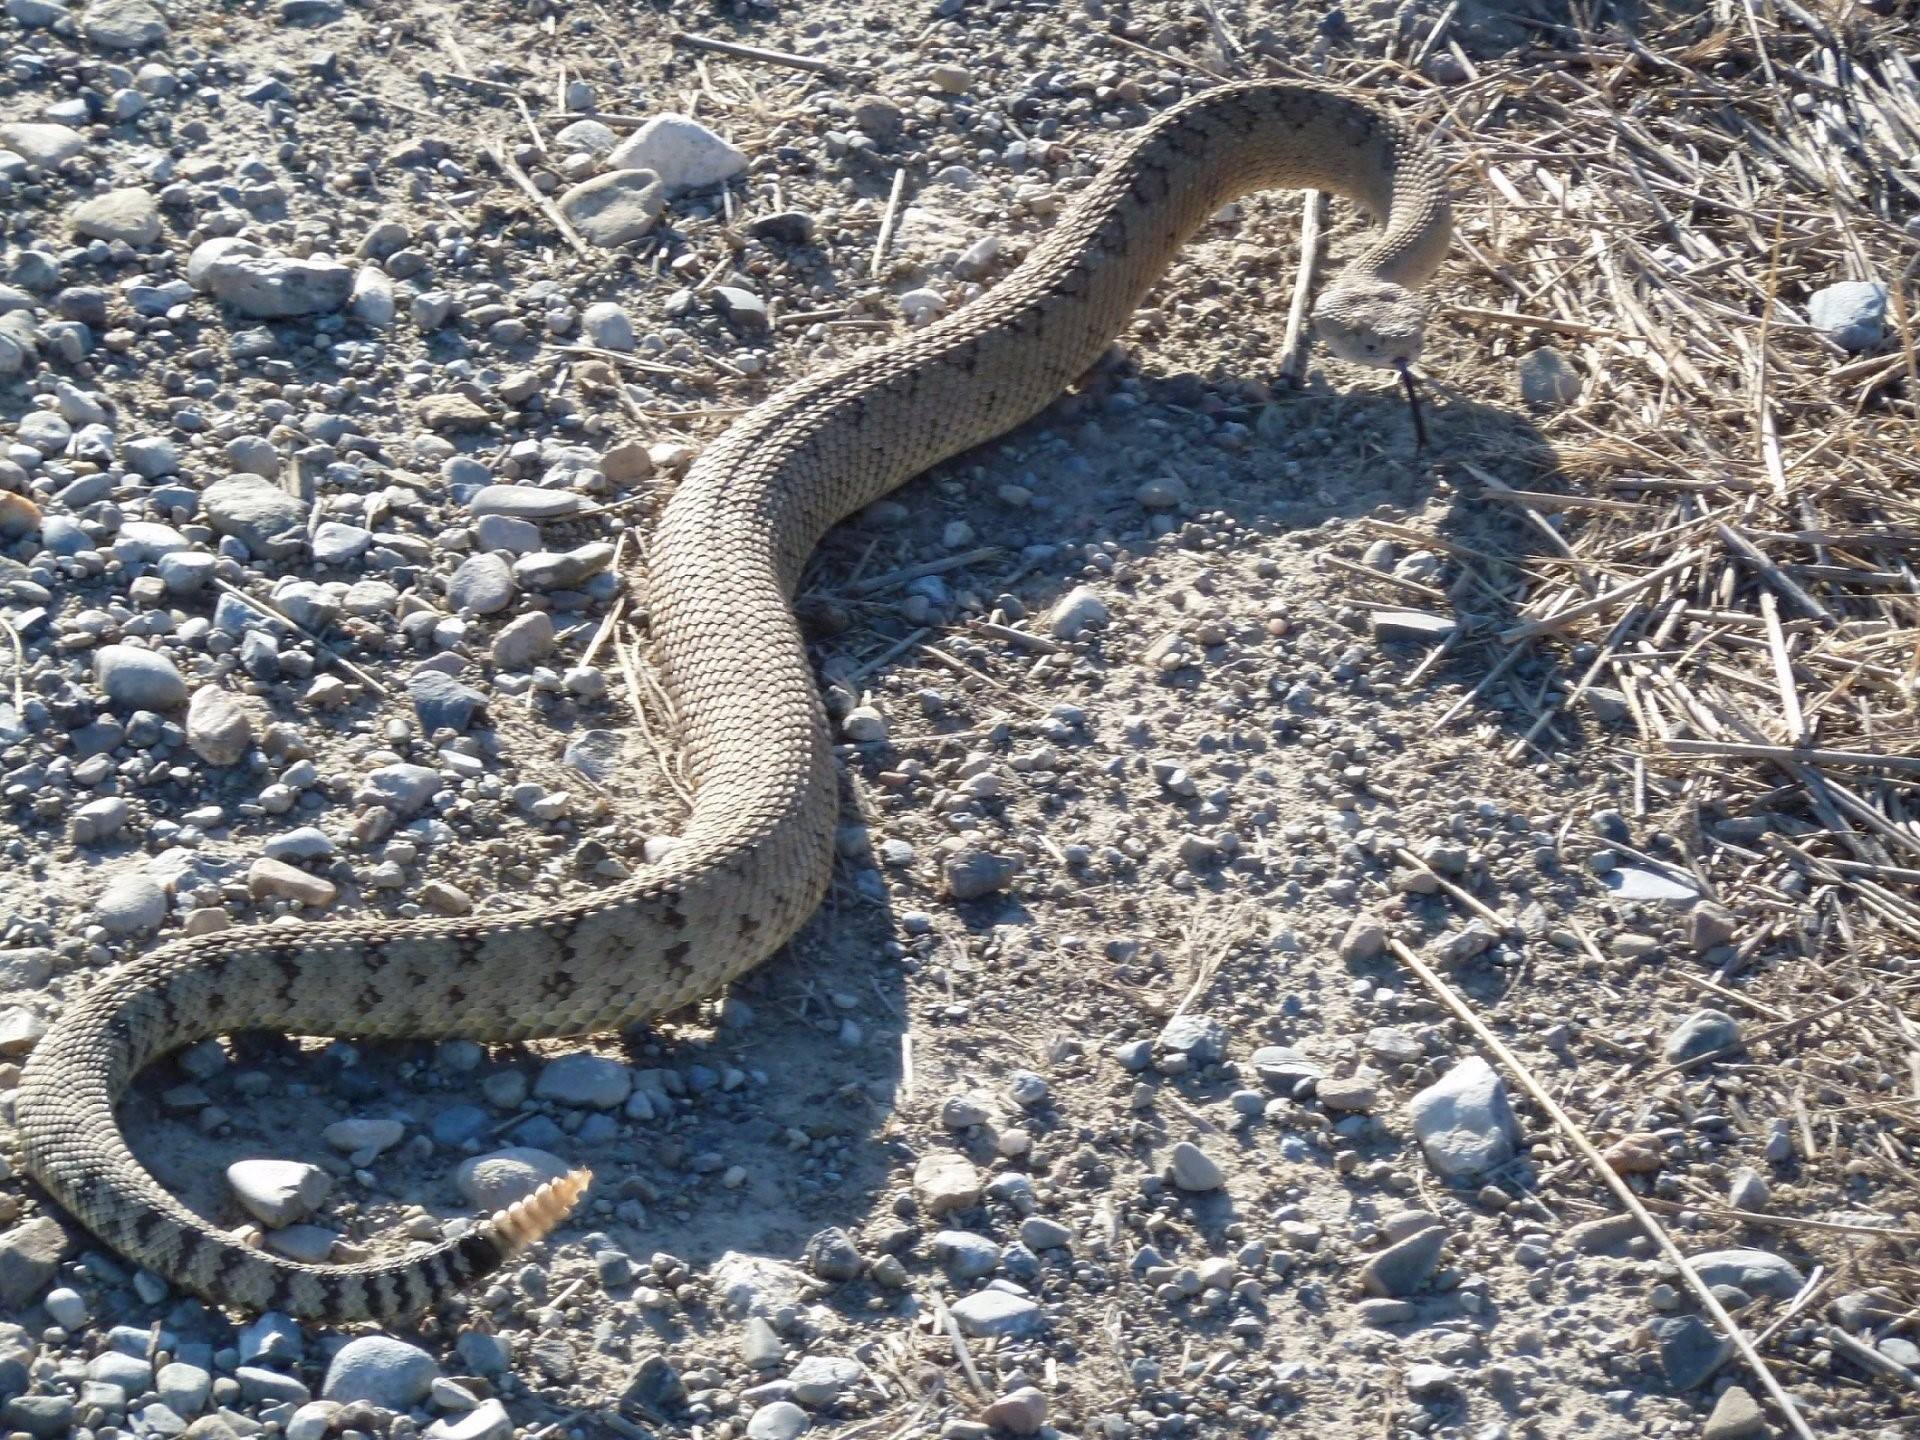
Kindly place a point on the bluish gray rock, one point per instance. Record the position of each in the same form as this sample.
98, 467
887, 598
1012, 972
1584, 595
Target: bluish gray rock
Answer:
1464, 1121
1852, 314
381, 1371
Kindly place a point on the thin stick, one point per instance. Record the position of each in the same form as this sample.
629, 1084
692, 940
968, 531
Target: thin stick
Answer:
887, 222
1621, 1190
892, 578
1605, 600
754, 52
1734, 749
1298, 341
511, 169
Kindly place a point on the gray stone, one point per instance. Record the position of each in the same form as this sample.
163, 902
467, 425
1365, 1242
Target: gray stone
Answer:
592, 1081
973, 873
1416, 626
218, 728
1079, 610
48, 146
183, 1388
965, 1255
133, 678
1644, 883
944, 1181
1690, 1350
1758, 1272
608, 326
683, 153
1403, 1267
563, 570
1192, 1169
819, 1379
1852, 314
130, 905
496, 1180
382, 1371
525, 502
1018, 1412
1701, 1033
1464, 1121
404, 788
615, 208
777, 1420
744, 308
1736, 1415
278, 287
523, 640
279, 1192
1201, 1038
443, 702
30, 1252
482, 585
123, 24
1284, 1068
126, 214
1548, 380
338, 544
270, 522
993, 1312
486, 1421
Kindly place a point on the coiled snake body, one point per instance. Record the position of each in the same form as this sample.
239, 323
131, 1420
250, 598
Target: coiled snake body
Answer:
757, 851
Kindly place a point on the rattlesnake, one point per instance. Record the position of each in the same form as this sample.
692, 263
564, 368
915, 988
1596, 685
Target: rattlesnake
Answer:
757, 851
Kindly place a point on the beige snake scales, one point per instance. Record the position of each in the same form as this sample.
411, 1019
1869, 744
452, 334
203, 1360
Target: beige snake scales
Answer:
758, 849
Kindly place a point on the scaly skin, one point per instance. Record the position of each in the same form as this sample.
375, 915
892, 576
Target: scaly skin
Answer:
758, 849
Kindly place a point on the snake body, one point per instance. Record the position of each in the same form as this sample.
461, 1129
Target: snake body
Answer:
756, 854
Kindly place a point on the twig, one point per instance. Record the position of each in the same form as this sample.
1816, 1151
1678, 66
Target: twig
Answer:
887, 222
754, 52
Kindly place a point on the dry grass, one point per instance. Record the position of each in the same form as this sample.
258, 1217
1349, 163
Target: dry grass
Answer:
1736, 553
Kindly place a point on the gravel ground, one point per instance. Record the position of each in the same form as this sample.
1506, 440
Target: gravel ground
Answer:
1094, 1103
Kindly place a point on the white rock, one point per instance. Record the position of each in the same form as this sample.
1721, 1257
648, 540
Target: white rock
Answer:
371, 302
279, 1192
124, 24
48, 146
685, 154
131, 905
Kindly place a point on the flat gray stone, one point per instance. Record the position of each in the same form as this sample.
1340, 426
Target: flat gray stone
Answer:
495, 1180
1690, 1349
48, 146
278, 287
1758, 1272
1641, 882
1403, 1267
615, 208
218, 728
30, 1252
998, 1312
130, 905
1701, 1033
270, 522
123, 24
592, 1081
127, 214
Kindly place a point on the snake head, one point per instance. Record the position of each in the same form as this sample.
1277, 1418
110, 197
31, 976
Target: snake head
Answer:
1371, 322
